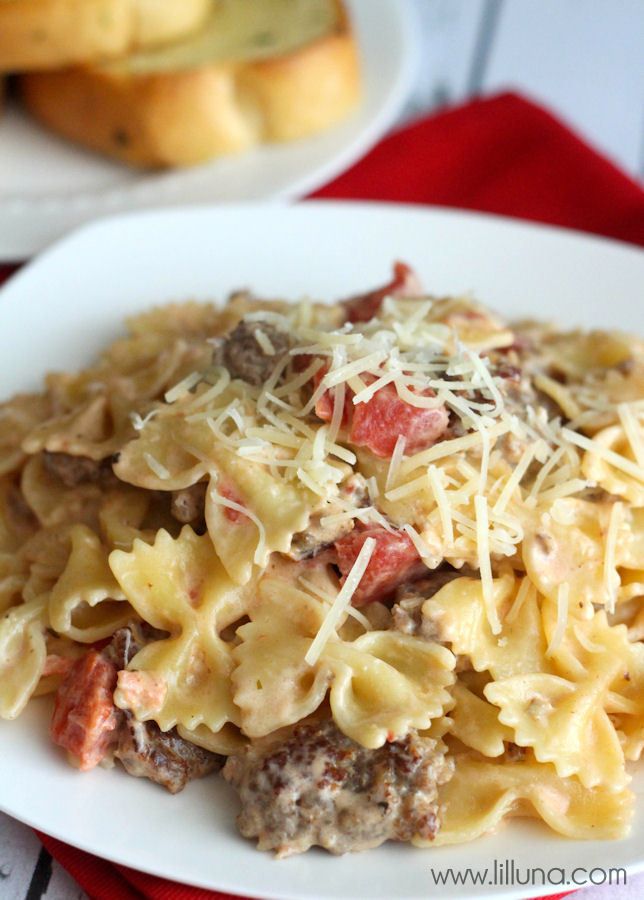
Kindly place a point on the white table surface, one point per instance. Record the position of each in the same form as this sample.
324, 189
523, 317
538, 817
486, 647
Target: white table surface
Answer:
582, 58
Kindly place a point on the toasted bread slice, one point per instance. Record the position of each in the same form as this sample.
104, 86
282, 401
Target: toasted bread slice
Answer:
44, 34
270, 71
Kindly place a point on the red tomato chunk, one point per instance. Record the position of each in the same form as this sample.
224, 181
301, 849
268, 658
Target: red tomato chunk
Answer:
378, 423
85, 719
394, 561
405, 283
326, 404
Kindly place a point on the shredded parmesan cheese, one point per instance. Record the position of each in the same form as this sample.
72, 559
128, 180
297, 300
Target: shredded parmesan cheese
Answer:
300, 380
396, 459
485, 454
339, 392
449, 448
205, 399
344, 373
632, 430
431, 561
406, 490
327, 598
155, 466
310, 482
514, 480
488, 382
614, 459
318, 449
260, 551
485, 563
574, 486
367, 393
183, 387
341, 602
562, 619
356, 384
443, 505
264, 342
138, 422
526, 590
476, 503
545, 470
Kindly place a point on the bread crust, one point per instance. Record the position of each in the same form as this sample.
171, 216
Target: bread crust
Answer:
45, 34
186, 117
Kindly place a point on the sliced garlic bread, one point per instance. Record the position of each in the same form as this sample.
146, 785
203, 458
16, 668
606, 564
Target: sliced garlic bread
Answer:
273, 70
44, 34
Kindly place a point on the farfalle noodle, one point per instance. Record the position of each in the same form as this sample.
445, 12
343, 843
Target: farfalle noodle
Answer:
86, 603
380, 684
181, 587
481, 794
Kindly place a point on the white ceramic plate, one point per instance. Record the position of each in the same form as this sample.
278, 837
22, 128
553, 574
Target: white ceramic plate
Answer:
60, 310
49, 186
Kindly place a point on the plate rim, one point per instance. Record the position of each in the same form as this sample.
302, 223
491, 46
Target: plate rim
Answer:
108, 221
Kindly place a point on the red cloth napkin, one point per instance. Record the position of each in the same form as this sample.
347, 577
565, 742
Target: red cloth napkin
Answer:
501, 155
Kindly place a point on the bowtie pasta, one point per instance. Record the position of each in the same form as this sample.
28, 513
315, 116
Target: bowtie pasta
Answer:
380, 561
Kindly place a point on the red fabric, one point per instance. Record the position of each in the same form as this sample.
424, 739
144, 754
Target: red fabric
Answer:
502, 155
102, 880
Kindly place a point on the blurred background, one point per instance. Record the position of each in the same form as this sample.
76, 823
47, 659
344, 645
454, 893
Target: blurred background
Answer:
582, 58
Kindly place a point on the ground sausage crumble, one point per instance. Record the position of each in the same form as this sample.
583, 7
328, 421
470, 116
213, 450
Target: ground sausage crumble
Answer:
319, 787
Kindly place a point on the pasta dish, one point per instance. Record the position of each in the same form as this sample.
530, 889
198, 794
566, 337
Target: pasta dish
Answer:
379, 562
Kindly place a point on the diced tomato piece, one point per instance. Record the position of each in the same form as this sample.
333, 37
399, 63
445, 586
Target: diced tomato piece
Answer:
378, 423
137, 689
405, 283
324, 407
85, 718
326, 404
393, 561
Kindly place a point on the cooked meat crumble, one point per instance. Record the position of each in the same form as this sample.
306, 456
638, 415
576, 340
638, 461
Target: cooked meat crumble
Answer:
319, 787
243, 356
187, 505
318, 537
515, 753
75, 470
407, 611
85, 698
162, 756
127, 641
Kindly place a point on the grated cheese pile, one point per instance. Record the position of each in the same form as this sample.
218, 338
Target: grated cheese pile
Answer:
516, 441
